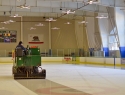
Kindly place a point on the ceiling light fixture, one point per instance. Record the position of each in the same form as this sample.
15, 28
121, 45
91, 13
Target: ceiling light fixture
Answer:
16, 15
39, 24
11, 20
69, 12
67, 23
3, 28
83, 22
32, 28
23, 7
50, 19
55, 28
6, 22
102, 16
92, 1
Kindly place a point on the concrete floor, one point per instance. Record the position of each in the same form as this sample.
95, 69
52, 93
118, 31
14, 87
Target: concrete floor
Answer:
65, 79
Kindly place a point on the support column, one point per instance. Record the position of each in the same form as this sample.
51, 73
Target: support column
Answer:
50, 46
81, 37
120, 23
90, 26
21, 29
104, 31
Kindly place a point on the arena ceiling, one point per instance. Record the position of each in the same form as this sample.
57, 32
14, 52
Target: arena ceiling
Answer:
56, 8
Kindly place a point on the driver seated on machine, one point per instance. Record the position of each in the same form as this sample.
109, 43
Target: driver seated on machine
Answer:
20, 45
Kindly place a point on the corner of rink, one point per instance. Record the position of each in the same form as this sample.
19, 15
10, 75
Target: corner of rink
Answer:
8, 60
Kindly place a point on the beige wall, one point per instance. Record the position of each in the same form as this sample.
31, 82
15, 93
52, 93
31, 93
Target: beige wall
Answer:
60, 39
12, 26
44, 30
81, 36
64, 38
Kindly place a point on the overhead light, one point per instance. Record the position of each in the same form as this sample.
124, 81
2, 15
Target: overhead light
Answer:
67, 23
90, 2
6, 22
23, 6
93, 1
11, 20
69, 12
102, 16
32, 28
83, 22
39, 24
16, 15
3, 28
50, 19
55, 28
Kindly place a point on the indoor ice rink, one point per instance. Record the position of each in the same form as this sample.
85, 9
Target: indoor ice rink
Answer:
62, 47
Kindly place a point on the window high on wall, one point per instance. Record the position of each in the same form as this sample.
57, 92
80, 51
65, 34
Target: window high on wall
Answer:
113, 42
